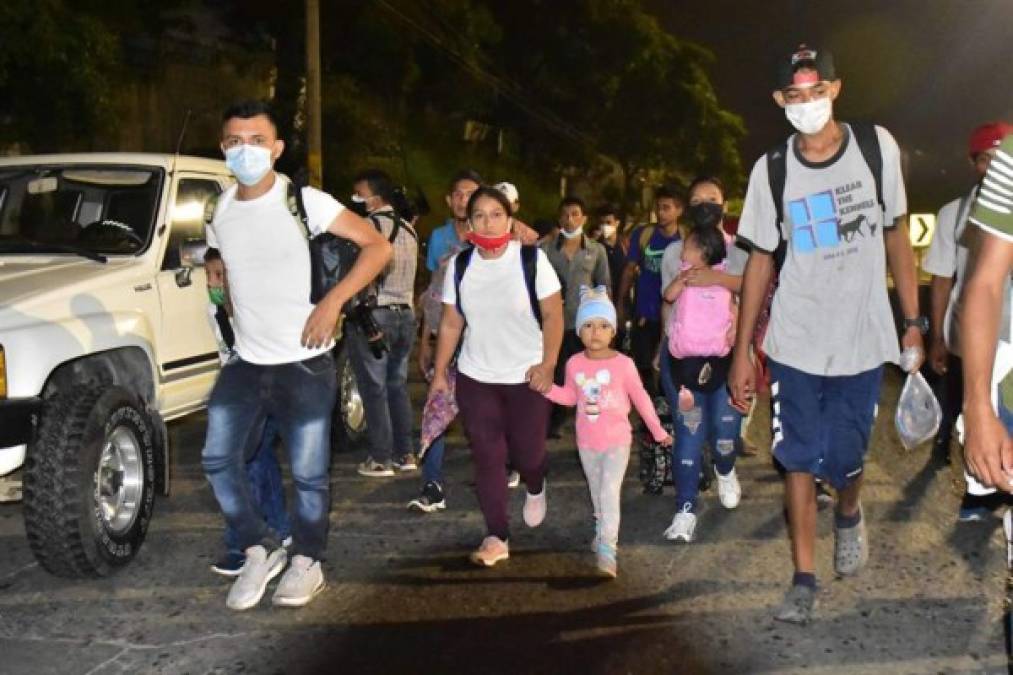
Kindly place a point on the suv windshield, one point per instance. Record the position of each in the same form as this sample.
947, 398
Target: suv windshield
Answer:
89, 209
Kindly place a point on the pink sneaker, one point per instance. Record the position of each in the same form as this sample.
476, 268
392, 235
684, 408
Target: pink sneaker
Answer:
492, 550
535, 507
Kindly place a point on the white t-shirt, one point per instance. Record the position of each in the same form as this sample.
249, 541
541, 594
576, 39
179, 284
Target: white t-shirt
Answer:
502, 338
947, 257
831, 314
268, 263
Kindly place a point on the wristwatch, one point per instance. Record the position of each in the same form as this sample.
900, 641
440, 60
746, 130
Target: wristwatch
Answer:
919, 322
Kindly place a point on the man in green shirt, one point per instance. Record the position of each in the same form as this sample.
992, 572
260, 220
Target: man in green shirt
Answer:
988, 352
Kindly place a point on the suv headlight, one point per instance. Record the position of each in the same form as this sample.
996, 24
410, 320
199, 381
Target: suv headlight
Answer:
3, 373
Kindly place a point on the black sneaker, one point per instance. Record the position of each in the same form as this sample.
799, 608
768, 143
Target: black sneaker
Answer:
430, 500
229, 565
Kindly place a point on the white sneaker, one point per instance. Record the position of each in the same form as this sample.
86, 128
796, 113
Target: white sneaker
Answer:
729, 490
259, 569
683, 526
513, 479
300, 583
535, 507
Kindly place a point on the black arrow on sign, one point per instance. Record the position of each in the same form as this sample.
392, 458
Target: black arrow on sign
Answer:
925, 229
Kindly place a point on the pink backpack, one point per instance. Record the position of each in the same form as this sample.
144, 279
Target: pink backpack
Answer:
700, 321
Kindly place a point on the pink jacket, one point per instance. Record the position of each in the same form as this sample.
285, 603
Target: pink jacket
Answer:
602, 391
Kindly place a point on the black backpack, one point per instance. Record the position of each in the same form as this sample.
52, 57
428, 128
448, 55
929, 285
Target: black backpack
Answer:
777, 168
529, 264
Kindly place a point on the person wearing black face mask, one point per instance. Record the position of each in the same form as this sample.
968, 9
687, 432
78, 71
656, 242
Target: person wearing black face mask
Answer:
707, 213
706, 210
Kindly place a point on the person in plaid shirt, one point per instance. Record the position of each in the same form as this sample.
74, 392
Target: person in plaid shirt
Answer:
383, 382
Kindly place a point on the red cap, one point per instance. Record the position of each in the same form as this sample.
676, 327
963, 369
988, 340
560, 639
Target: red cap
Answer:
988, 136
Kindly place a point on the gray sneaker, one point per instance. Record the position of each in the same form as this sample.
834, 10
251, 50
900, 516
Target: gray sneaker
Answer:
851, 547
797, 606
300, 583
260, 567
374, 469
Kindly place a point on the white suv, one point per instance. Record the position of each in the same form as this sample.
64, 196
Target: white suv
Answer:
104, 336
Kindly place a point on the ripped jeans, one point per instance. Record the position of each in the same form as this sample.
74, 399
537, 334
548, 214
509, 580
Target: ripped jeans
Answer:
712, 419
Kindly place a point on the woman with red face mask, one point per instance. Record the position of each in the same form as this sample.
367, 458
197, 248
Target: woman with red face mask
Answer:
509, 327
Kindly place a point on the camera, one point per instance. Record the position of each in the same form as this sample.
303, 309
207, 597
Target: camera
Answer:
362, 316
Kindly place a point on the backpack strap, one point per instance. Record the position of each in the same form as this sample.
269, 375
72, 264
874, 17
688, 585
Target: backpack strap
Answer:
297, 207
225, 327
461, 262
646, 232
529, 261
868, 143
777, 173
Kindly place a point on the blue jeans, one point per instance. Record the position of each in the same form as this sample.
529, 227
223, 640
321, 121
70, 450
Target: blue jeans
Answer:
432, 463
299, 397
712, 419
383, 382
266, 488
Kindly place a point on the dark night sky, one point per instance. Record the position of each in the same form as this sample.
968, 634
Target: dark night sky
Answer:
928, 70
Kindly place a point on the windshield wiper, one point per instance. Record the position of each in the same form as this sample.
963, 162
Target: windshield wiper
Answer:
35, 247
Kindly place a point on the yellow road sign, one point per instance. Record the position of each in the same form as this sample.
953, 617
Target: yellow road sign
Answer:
921, 227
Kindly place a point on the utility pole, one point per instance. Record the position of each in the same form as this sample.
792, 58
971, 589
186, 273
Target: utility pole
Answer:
314, 135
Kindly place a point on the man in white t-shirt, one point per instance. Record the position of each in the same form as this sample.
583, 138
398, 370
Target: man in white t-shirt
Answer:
946, 261
285, 370
831, 326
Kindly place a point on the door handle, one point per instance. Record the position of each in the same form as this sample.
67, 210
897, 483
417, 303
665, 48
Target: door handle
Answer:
140, 288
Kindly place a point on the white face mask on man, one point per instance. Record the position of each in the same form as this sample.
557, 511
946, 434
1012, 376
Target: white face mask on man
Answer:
811, 116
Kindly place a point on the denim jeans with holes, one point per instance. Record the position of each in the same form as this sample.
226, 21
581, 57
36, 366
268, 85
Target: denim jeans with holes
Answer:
712, 420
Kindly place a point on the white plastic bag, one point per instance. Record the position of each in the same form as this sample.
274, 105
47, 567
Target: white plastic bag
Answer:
918, 412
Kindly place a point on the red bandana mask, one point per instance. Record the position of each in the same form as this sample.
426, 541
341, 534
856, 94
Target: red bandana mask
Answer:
489, 243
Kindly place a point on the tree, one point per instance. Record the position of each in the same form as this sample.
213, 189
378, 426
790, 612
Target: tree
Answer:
61, 62
620, 87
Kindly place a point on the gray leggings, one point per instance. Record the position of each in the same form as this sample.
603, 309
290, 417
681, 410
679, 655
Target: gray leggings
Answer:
605, 471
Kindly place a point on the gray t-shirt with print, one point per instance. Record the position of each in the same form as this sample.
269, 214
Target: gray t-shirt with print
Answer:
831, 314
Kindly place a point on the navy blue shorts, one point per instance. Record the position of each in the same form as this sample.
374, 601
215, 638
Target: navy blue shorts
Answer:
822, 424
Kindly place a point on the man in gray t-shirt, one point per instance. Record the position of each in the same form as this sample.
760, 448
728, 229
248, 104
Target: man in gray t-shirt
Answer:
831, 327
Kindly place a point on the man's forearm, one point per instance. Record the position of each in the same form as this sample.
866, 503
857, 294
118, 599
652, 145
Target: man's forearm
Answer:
755, 282
979, 336
941, 288
901, 259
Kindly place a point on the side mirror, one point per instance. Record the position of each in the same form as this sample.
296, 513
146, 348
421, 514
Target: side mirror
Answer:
191, 252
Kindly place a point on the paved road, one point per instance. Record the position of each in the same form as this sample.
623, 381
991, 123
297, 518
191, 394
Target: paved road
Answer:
402, 598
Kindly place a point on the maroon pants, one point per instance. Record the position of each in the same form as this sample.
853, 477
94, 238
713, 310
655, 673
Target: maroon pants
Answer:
503, 421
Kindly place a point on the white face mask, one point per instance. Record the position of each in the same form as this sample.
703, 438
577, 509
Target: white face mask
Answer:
571, 235
248, 163
608, 230
809, 117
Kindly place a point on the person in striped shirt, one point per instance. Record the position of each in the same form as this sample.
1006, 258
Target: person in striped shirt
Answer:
988, 347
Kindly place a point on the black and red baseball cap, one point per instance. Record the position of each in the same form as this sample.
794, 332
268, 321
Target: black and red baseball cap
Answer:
818, 64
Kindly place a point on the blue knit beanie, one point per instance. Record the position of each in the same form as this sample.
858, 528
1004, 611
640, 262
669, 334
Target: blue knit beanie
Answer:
595, 304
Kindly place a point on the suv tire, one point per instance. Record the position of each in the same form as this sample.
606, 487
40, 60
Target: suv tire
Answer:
89, 481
